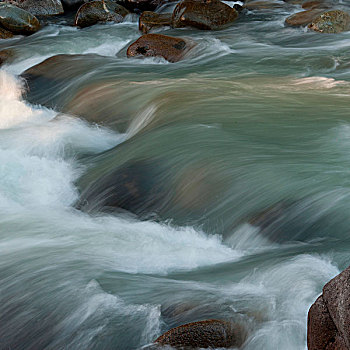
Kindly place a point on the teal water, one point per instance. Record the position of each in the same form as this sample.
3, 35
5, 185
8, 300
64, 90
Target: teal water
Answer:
241, 152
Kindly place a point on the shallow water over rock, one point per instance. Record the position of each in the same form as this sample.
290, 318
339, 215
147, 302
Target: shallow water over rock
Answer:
138, 195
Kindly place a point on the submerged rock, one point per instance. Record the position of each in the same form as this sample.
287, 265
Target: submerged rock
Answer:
331, 22
98, 11
329, 316
303, 18
203, 334
149, 20
41, 7
156, 45
5, 34
201, 14
18, 21
6, 56
133, 186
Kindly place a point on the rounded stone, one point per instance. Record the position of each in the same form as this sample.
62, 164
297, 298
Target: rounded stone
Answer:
201, 14
98, 11
18, 21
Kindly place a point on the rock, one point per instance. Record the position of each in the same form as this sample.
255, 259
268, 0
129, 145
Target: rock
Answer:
41, 7
5, 34
133, 186
156, 45
6, 55
303, 18
329, 316
201, 14
18, 21
335, 21
262, 5
98, 11
322, 333
336, 294
314, 4
149, 20
203, 334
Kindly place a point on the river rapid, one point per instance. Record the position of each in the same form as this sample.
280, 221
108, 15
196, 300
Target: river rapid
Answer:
247, 144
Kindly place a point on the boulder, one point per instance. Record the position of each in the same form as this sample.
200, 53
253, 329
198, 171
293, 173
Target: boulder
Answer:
336, 294
262, 5
322, 333
303, 18
41, 7
335, 21
329, 317
203, 334
202, 14
18, 21
98, 11
5, 34
315, 4
150, 20
156, 45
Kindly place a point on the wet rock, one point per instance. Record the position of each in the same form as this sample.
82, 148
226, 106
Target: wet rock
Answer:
150, 20
41, 7
98, 11
201, 14
18, 21
331, 22
5, 34
322, 333
156, 45
133, 186
315, 4
329, 316
336, 294
303, 18
203, 334
6, 56
262, 5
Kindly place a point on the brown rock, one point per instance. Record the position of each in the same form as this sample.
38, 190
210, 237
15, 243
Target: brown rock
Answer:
262, 5
314, 4
321, 331
201, 14
303, 18
6, 56
98, 11
18, 21
149, 20
41, 7
5, 34
336, 21
203, 334
157, 45
336, 295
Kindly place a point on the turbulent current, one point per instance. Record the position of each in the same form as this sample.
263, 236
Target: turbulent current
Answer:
242, 153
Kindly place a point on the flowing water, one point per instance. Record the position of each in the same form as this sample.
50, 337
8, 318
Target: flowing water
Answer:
244, 154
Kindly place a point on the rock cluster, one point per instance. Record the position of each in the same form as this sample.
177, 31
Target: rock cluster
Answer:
329, 317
